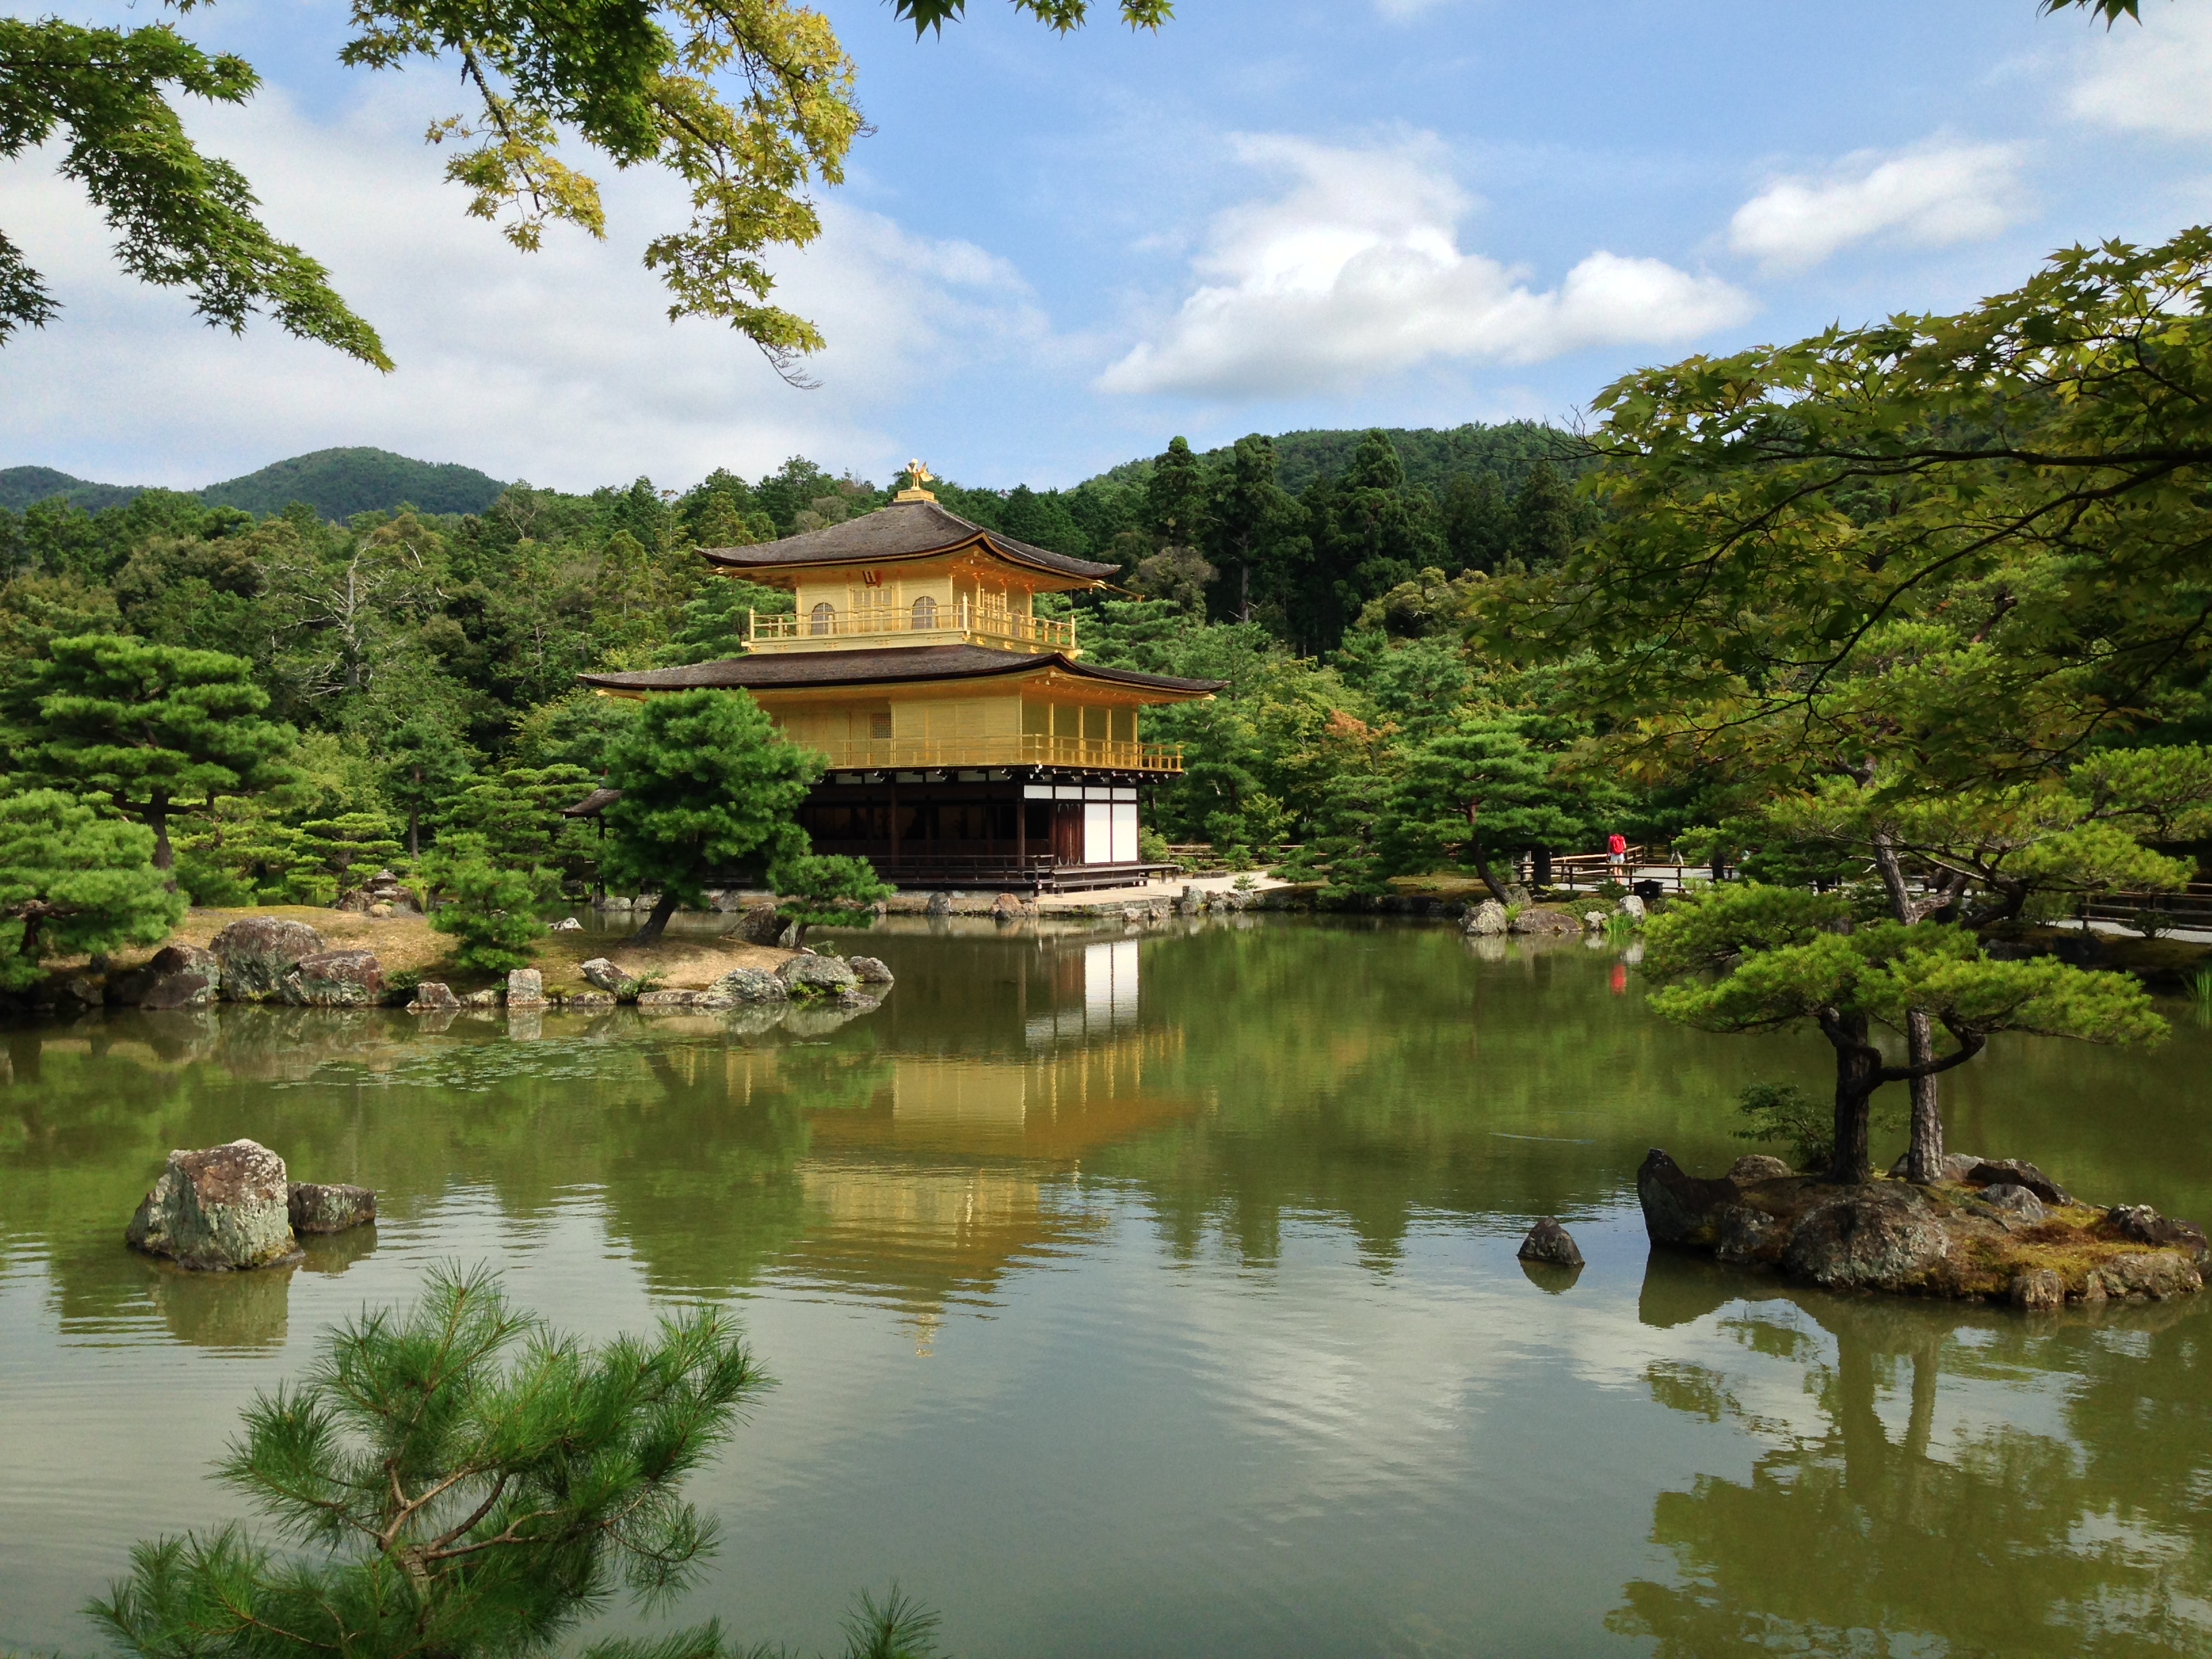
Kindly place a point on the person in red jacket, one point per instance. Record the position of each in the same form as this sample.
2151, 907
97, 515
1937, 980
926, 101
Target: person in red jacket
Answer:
1616, 852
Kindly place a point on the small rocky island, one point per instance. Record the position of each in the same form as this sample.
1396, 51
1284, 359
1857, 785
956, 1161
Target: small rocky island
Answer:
1996, 1229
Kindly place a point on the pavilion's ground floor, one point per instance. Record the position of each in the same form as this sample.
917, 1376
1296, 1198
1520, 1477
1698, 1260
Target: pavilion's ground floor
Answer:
1028, 829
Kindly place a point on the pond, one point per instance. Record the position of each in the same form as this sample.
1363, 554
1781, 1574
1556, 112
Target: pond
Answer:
1157, 1295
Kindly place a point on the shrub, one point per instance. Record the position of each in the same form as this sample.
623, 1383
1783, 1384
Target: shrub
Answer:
490, 908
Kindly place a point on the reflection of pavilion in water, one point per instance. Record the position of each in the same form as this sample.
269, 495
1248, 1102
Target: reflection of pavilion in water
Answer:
959, 1170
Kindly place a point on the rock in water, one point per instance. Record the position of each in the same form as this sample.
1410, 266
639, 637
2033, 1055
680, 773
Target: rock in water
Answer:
2038, 1290
1006, 909
1632, 906
1535, 920
939, 904
751, 985
1547, 1240
1680, 1208
525, 988
1758, 1166
332, 979
868, 970
1886, 1237
2139, 1224
1487, 919
818, 976
228, 1207
433, 996
329, 1209
568, 924
255, 951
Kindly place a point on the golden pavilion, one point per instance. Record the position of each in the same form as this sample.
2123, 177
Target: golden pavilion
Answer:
969, 744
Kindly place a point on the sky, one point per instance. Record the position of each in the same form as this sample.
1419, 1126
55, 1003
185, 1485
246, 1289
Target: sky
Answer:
1053, 254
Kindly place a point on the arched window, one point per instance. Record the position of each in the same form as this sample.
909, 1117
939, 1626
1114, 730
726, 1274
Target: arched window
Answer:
824, 619
925, 612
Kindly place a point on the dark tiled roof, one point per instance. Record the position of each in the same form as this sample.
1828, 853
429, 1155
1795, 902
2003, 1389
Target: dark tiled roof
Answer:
905, 529
890, 666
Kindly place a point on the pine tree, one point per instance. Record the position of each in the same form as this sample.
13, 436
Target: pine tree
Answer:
75, 881
707, 785
1543, 519
157, 729
459, 1481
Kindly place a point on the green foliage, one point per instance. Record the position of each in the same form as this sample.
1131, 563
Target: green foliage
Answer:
351, 846
180, 219
824, 890
708, 786
518, 814
1747, 957
1489, 789
460, 1479
75, 881
157, 729
1784, 1112
491, 905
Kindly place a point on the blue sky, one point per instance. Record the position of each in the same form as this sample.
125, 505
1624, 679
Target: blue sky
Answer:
1053, 254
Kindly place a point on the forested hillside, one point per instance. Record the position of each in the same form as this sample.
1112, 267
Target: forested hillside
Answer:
336, 483
429, 658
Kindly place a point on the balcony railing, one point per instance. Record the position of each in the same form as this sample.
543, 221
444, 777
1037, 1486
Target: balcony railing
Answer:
936, 754
961, 616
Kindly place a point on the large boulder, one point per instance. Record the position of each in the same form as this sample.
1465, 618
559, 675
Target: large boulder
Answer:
2037, 1290
601, 973
1549, 1241
433, 996
1537, 920
1007, 909
2139, 1224
316, 1208
1633, 906
525, 988
226, 1207
2160, 1275
1487, 919
2016, 1172
939, 904
1950, 1168
333, 979
818, 976
751, 985
255, 951
869, 970
761, 925
177, 976
1884, 1237
2018, 1206
1759, 1166
1680, 1208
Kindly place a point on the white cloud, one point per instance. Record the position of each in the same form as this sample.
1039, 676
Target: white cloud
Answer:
560, 366
2151, 78
1356, 272
1932, 194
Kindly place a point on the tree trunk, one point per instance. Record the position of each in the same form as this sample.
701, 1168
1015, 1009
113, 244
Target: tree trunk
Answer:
1858, 1073
1926, 1150
663, 908
1540, 865
157, 820
1482, 859
415, 832
1922, 1161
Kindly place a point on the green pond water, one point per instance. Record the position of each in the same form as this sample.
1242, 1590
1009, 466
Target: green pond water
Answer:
1159, 1295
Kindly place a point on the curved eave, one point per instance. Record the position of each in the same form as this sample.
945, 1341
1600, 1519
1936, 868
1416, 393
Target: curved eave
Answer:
877, 669
1090, 575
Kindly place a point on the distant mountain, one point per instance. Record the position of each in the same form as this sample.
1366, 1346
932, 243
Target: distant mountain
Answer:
340, 482
336, 483
22, 485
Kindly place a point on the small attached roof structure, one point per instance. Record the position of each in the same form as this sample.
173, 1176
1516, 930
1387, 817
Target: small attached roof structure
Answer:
898, 665
891, 535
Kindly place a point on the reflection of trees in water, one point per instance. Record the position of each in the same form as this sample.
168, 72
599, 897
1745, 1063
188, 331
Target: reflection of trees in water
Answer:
695, 1138
1858, 1537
